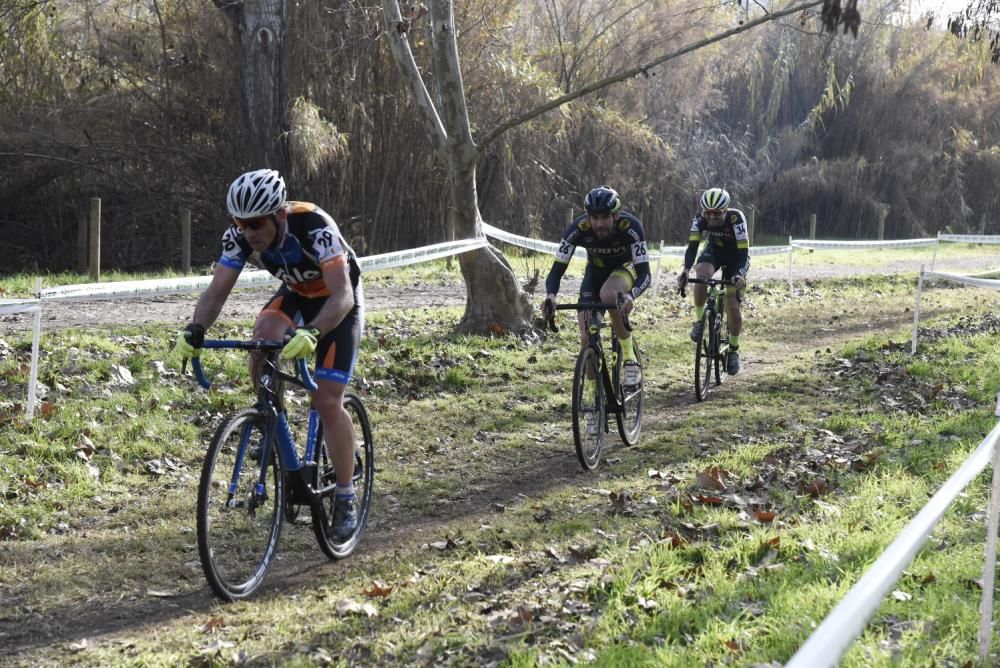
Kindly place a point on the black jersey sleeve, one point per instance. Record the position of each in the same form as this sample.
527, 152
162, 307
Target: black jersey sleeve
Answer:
694, 240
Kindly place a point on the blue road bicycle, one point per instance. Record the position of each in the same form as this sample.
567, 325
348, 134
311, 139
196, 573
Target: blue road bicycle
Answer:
255, 477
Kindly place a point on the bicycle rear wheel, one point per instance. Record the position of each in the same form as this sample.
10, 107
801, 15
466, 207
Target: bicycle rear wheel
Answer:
629, 418
364, 478
589, 409
239, 519
703, 360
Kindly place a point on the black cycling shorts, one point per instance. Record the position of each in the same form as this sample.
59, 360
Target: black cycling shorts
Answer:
337, 350
719, 258
594, 279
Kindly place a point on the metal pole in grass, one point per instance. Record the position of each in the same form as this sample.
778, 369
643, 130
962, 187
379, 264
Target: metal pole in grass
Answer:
656, 277
934, 257
989, 568
791, 251
36, 336
916, 310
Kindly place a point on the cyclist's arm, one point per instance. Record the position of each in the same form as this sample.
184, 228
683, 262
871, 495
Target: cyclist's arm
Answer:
694, 240
643, 277
554, 278
564, 254
341, 299
214, 297
640, 259
742, 244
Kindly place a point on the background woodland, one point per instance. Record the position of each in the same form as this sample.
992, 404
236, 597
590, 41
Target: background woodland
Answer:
141, 104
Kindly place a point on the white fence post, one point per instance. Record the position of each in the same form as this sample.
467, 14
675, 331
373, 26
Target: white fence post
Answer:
35, 340
936, 246
791, 251
916, 310
989, 567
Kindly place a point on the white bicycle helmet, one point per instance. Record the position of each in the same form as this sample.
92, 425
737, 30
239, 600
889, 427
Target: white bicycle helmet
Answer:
715, 199
255, 194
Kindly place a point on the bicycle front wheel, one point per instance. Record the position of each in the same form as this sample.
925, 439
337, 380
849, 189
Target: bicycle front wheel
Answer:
721, 345
589, 409
364, 479
703, 361
629, 418
239, 509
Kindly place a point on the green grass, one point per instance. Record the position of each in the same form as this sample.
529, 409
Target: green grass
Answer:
497, 548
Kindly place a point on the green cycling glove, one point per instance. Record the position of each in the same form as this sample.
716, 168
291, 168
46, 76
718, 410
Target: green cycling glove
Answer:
190, 340
303, 344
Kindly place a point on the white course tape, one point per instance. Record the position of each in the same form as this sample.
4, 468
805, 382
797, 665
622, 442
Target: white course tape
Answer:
551, 248
769, 250
829, 642
892, 243
19, 306
250, 278
160, 286
525, 242
423, 254
967, 280
970, 238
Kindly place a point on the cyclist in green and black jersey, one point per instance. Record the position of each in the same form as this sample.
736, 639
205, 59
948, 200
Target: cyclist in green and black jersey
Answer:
727, 246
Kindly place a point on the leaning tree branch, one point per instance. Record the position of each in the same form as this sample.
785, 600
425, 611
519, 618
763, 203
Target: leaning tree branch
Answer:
640, 69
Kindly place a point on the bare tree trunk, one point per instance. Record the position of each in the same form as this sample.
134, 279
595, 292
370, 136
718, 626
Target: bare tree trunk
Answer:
494, 301
260, 25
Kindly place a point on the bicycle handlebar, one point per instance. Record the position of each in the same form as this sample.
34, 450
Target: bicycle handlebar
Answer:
591, 306
707, 281
257, 344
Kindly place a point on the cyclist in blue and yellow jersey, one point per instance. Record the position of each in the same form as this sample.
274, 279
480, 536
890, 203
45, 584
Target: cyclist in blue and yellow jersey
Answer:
727, 246
617, 261
320, 298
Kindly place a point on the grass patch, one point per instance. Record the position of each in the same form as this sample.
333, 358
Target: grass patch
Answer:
731, 529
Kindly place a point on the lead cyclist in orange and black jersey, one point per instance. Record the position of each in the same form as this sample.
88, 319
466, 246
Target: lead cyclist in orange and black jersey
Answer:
320, 298
617, 261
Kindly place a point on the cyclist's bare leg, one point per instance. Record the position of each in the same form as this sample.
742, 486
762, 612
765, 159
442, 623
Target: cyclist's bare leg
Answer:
270, 326
702, 271
733, 312
338, 428
609, 293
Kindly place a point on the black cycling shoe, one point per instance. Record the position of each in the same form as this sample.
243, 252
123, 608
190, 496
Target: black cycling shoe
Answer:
733, 362
697, 330
345, 516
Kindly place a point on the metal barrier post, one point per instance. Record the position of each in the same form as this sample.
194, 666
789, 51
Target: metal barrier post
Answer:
916, 310
36, 336
989, 567
791, 251
934, 257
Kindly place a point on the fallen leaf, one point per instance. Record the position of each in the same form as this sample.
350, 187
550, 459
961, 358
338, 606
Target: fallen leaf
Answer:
901, 595
349, 606
377, 589
500, 558
161, 593
213, 624
764, 515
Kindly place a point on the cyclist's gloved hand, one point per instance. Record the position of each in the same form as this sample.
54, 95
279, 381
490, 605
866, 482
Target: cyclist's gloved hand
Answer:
627, 304
682, 281
302, 344
190, 340
549, 307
